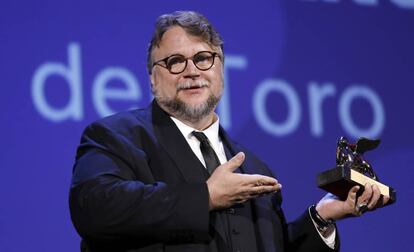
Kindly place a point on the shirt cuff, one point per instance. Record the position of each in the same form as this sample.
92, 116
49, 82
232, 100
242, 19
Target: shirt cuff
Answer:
330, 240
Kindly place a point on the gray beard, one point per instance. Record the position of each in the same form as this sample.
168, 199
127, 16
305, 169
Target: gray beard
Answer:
183, 111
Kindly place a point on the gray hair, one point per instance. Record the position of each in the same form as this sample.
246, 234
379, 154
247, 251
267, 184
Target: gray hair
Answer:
192, 22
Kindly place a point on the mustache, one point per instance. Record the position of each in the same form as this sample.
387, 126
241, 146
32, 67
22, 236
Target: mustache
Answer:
192, 84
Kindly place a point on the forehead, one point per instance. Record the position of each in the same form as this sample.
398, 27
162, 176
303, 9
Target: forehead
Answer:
177, 41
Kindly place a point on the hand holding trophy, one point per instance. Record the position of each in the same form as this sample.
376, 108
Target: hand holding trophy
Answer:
352, 169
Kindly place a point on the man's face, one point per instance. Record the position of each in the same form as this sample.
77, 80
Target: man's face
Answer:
192, 94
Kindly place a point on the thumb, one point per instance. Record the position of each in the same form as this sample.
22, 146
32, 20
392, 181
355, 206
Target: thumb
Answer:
235, 162
353, 192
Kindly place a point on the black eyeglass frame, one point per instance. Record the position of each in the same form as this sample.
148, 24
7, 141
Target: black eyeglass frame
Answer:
165, 60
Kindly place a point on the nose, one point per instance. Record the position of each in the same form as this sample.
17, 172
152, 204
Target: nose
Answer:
191, 71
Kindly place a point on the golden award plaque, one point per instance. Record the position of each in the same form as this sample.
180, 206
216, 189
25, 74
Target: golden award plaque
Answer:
352, 169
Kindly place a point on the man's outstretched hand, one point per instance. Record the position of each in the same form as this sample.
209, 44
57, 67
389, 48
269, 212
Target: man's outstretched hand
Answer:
227, 188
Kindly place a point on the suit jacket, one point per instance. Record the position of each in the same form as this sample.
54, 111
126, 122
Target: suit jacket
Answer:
137, 186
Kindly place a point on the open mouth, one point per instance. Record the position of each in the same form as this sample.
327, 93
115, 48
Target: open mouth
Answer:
193, 87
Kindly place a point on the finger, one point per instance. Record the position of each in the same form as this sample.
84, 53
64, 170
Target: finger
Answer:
385, 200
352, 194
235, 162
248, 196
259, 180
376, 194
366, 195
241, 200
259, 190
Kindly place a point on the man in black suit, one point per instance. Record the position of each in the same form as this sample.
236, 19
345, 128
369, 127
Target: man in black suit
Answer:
169, 178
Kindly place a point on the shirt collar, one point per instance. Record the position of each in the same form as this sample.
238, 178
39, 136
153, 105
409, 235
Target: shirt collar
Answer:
212, 132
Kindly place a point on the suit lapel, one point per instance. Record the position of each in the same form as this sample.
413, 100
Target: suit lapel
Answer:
174, 143
230, 148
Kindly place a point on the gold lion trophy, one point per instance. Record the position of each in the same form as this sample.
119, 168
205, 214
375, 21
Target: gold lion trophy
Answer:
352, 169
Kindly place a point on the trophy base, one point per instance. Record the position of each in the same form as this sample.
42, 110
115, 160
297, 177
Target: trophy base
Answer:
339, 181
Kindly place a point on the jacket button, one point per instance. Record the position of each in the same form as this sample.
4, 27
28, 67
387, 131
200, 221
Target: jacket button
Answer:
235, 231
231, 211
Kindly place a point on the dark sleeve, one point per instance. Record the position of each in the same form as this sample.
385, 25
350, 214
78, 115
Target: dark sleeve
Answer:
302, 236
114, 196
299, 235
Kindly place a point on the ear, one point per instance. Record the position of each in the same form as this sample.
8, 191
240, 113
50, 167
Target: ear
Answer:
152, 79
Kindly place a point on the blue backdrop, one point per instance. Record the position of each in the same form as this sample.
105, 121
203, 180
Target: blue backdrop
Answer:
299, 74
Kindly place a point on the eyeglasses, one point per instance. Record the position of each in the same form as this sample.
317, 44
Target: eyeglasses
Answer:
177, 63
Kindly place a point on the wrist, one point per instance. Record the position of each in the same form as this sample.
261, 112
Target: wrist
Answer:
323, 223
323, 212
211, 197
